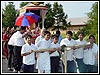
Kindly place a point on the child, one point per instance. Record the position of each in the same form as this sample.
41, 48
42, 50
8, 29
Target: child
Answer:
80, 52
59, 36
54, 56
28, 55
68, 41
90, 54
43, 59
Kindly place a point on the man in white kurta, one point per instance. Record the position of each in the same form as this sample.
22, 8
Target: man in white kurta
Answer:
90, 55
39, 38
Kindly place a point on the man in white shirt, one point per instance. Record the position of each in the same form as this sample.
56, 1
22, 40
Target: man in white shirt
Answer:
68, 41
41, 35
90, 55
10, 53
18, 38
80, 52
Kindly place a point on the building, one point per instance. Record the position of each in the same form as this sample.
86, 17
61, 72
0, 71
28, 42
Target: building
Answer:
77, 23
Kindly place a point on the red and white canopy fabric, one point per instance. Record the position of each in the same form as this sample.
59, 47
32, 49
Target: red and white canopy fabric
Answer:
37, 8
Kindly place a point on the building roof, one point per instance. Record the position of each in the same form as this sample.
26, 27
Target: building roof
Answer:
78, 21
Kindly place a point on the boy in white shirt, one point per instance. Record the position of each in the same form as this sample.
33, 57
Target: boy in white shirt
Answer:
43, 59
90, 55
54, 55
80, 52
68, 41
28, 55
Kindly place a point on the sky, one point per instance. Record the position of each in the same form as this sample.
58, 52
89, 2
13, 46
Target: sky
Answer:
73, 9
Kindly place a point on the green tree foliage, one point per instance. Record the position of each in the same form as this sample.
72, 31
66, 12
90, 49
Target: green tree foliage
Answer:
92, 23
59, 16
75, 36
49, 20
8, 15
56, 18
23, 4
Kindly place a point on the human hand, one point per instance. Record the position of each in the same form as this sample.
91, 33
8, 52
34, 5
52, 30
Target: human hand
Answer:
73, 47
30, 51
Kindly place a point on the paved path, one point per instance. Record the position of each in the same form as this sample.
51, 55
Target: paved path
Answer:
4, 68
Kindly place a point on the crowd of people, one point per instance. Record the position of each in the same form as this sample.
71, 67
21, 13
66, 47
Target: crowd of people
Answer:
24, 51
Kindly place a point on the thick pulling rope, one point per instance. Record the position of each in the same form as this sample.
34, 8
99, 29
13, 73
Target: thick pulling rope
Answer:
64, 49
67, 48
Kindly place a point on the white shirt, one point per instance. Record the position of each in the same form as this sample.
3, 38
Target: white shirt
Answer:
43, 60
18, 40
89, 55
79, 52
39, 38
28, 59
53, 45
68, 43
11, 41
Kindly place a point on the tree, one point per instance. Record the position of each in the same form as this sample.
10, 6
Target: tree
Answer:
8, 15
49, 20
23, 4
55, 18
92, 23
60, 17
